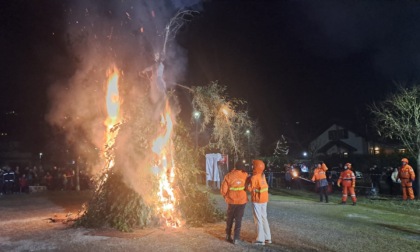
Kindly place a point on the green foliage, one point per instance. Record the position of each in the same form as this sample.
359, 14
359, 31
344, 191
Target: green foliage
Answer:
198, 209
226, 118
116, 205
195, 205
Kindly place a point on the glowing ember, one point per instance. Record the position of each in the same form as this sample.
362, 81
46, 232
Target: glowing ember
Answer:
163, 148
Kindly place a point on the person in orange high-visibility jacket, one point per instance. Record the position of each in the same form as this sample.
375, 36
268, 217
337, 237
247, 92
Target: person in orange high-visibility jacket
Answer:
233, 191
407, 177
348, 181
258, 187
320, 178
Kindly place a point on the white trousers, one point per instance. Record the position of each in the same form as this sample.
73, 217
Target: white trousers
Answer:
261, 222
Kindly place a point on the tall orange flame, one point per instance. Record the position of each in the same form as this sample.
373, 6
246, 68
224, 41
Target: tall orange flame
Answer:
113, 108
112, 98
163, 148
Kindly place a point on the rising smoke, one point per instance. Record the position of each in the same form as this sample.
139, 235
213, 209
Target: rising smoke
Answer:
128, 34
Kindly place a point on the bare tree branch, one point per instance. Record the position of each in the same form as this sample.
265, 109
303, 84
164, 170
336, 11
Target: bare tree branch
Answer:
399, 117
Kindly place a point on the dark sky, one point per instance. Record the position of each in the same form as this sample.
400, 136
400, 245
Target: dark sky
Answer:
312, 62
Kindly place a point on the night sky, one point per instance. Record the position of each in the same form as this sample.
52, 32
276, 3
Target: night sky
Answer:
301, 65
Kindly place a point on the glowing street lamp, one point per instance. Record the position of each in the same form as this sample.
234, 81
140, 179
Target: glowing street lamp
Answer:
197, 115
248, 133
305, 154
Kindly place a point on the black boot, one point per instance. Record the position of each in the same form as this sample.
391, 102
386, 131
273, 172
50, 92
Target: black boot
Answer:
229, 238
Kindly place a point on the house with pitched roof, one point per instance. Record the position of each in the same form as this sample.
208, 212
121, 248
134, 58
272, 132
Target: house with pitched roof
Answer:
338, 140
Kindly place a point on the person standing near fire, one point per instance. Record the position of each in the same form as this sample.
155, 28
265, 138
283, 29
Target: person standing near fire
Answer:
320, 178
407, 177
348, 180
233, 191
258, 187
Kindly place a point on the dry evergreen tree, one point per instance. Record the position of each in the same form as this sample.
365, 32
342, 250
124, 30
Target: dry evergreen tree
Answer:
232, 129
280, 152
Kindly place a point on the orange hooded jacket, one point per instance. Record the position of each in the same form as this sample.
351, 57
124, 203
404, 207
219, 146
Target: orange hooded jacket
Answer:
233, 187
258, 186
320, 173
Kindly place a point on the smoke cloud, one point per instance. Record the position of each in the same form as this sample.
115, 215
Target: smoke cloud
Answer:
130, 35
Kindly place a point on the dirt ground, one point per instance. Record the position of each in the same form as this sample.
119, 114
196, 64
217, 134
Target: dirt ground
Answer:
38, 222
34, 223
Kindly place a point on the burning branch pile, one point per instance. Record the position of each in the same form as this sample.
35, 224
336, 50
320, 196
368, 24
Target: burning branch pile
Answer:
166, 148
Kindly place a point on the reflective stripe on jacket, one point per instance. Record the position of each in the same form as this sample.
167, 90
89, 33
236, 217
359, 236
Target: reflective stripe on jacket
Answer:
347, 177
258, 187
237, 188
233, 187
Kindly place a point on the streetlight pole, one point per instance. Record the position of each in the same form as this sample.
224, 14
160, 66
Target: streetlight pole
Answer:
196, 115
248, 133
197, 118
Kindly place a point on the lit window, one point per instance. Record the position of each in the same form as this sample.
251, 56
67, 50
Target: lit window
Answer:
402, 150
377, 150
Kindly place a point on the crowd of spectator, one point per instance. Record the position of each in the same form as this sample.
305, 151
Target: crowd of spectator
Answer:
18, 180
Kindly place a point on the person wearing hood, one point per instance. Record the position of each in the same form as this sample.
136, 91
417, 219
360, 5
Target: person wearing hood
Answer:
259, 196
233, 191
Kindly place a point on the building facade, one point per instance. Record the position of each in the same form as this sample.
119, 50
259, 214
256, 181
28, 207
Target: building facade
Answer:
338, 140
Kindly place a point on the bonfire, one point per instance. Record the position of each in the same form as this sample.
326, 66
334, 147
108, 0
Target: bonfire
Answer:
148, 160
119, 113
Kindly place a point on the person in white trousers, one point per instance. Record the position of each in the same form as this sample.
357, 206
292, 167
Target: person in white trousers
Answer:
259, 196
